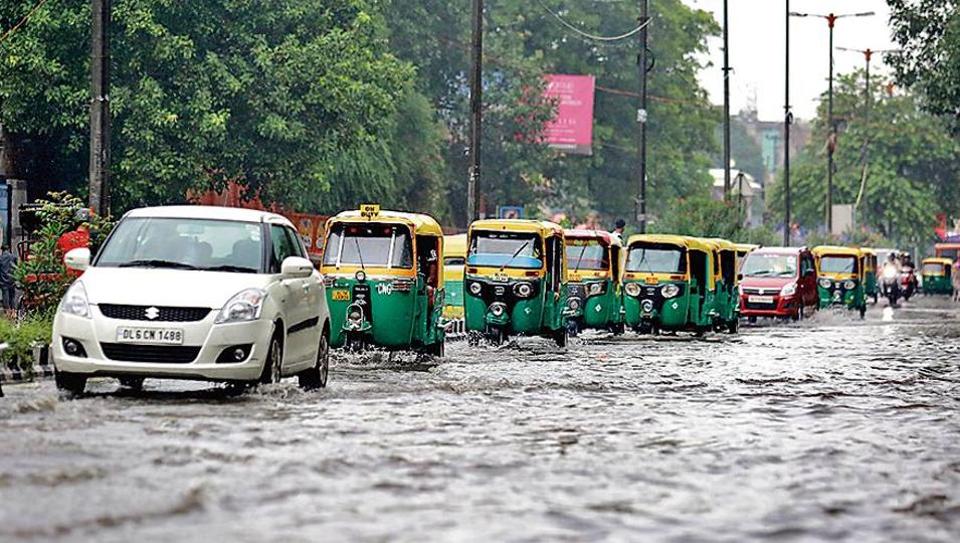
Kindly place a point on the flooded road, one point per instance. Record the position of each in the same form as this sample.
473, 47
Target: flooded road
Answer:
830, 429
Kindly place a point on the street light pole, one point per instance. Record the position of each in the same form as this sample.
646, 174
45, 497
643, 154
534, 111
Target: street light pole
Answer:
726, 104
787, 120
642, 118
476, 113
831, 19
99, 173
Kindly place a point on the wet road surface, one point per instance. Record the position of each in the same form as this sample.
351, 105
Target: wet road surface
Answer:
832, 429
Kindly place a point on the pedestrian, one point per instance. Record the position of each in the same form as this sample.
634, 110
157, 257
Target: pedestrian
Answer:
7, 285
619, 226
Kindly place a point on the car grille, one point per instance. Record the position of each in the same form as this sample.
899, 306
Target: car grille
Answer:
159, 354
765, 307
769, 291
163, 314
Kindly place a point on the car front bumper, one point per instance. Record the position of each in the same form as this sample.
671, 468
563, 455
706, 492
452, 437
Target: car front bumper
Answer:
211, 340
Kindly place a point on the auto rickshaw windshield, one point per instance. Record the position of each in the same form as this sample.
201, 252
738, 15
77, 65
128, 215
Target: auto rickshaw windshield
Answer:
933, 268
838, 264
369, 244
769, 265
506, 249
656, 259
587, 255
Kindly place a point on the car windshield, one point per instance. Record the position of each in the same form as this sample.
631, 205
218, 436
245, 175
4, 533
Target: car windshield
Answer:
587, 255
838, 264
769, 265
180, 243
657, 259
378, 245
506, 249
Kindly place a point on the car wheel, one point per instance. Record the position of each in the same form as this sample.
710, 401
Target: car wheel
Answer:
752, 320
70, 382
316, 377
271, 367
133, 383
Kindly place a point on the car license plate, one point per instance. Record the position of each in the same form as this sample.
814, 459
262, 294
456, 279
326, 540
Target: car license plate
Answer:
341, 295
156, 336
760, 299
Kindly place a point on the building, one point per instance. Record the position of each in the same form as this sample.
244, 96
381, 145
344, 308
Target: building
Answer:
742, 184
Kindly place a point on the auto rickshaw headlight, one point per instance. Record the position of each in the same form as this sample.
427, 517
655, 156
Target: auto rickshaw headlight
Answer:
361, 276
498, 310
788, 289
475, 288
849, 284
825, 283
523, 290
573, 303
632, 289
669, 290
354, 313
595, 289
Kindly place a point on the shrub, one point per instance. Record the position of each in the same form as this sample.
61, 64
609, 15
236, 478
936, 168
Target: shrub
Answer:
20, 338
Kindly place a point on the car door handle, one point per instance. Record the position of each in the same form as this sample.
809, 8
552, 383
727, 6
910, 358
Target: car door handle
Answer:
306, 288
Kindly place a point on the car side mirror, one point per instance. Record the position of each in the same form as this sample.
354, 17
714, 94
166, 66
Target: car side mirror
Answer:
295, 267
809, 273
77, 259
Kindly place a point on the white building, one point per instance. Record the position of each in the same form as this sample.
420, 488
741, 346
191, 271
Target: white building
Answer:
753, 200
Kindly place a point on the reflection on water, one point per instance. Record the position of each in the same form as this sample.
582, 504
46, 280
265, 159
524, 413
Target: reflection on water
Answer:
830, 428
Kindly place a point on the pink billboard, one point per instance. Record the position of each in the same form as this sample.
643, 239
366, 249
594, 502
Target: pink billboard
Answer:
572, 128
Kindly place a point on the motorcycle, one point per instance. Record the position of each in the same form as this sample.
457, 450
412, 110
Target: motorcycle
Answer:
908, 282
890, 282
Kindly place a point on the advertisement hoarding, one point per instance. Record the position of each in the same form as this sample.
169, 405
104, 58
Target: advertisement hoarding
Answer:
571, 130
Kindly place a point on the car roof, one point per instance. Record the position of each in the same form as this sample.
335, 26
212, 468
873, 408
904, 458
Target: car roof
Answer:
208, 212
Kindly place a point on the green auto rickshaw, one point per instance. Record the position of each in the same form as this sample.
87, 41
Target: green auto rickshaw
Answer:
669, 283
516, 280
595, 265
868, 260
727, 274
840, 278
384, 282
936, 273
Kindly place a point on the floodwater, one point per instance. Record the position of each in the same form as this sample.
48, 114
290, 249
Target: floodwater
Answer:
832, 429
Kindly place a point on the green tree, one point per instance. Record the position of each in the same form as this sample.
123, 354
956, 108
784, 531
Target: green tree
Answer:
929, 33
301, 100
912, 172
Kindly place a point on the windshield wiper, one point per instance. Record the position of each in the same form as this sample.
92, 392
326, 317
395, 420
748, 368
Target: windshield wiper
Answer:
230, 268
356, 241
157, 264
517, 252
580, 259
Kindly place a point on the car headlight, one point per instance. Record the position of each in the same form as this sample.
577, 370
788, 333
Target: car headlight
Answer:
825, 283
245, 306
475, 288
522, 290
669, 290
75, 301
594, 289
849, 284
788, 290
632, 289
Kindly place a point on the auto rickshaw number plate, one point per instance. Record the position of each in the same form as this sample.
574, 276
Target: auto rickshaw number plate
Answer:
341, 295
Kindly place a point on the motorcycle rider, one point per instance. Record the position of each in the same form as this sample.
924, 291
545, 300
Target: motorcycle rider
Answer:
908, 278
891, 278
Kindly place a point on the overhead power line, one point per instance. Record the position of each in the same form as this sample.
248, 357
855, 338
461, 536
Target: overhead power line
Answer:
587, 35
6, 35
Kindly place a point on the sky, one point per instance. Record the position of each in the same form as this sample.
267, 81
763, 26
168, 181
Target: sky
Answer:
757, 51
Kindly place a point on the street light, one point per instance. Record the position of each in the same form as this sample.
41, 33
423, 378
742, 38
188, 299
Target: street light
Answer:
831, 19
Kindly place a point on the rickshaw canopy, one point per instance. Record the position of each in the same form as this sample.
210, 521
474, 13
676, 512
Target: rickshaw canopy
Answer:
418, 222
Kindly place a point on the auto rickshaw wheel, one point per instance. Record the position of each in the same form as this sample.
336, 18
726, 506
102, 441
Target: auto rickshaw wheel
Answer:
863, 311
560, 337
573, 327
619, 329
644, 329
733, 327
437, 350
474, 338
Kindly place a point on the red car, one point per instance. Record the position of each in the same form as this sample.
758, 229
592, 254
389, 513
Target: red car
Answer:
778, 282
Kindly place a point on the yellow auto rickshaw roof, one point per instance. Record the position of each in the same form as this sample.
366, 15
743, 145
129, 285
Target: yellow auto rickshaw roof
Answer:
867, 251
419, 223
822, 250
938, 260
747, 247
723, 244
671, 239
543, 228
455, 245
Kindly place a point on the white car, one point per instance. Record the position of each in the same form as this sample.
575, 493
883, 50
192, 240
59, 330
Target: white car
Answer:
194, 292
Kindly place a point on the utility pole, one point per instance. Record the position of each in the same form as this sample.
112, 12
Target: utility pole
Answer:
787, 121
642, 117
476, 113
100, 108
726, 104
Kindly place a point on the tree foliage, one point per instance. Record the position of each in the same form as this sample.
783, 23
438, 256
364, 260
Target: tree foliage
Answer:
913, 165
928, 32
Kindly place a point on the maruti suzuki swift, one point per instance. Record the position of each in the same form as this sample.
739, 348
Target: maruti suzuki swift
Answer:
194, 292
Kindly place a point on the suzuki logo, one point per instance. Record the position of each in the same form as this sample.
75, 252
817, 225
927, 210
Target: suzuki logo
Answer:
152, 313
760, 292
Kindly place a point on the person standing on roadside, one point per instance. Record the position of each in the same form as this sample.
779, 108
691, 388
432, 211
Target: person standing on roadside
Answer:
7, 285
